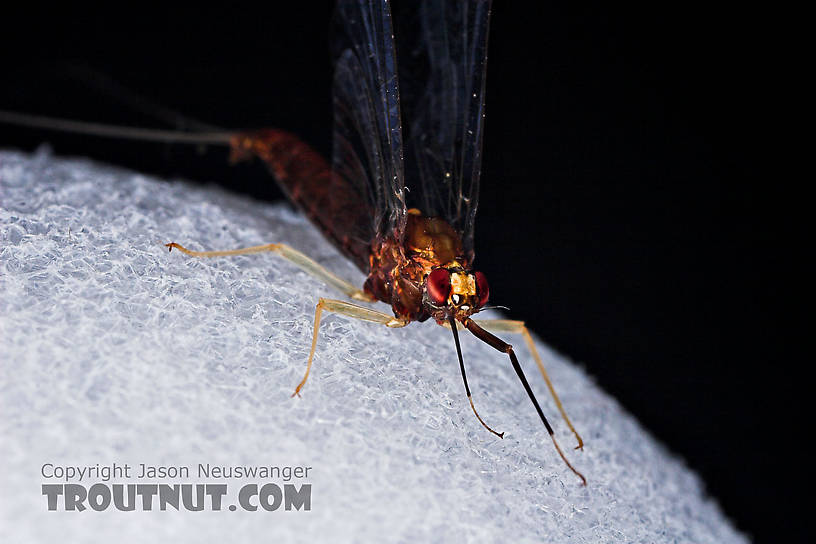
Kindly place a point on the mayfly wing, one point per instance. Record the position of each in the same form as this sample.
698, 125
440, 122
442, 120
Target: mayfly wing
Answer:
367, 148
444, 137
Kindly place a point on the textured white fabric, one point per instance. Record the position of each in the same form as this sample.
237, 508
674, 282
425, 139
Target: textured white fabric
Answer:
114, 350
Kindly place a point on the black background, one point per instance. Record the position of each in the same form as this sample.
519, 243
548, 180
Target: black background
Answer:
619, 213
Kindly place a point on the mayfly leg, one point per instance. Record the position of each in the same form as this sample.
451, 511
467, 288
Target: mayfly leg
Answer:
321, 273
452, 324
502, 346
350, 310
518, 327
293, 256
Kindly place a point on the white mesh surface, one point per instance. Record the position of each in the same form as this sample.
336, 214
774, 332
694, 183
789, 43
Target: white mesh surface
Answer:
114, 350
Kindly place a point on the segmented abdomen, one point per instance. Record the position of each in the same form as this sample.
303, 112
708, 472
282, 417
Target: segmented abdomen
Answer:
328, 200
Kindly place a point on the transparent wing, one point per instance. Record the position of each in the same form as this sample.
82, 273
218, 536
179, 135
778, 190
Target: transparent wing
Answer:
367, 149
446, 117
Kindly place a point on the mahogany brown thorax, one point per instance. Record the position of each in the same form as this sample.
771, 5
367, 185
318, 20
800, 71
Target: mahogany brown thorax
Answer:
398, 272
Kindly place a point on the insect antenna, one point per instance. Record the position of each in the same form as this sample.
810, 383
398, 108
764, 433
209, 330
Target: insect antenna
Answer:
115, 131
483, 308
464, 377
504, 347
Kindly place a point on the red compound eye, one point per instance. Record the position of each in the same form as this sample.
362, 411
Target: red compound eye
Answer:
438, 286
482, 289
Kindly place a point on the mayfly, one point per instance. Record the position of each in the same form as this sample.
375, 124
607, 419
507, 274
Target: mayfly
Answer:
417, 246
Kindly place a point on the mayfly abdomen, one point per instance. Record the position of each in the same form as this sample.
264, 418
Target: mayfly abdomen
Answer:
307, 179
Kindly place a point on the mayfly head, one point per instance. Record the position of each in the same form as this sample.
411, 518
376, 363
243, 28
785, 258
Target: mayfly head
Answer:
451, 291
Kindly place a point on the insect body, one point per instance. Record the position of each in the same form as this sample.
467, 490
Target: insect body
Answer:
418, 259
416, 246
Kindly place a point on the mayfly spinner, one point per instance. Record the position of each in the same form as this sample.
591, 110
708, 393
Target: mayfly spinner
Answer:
417, 246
